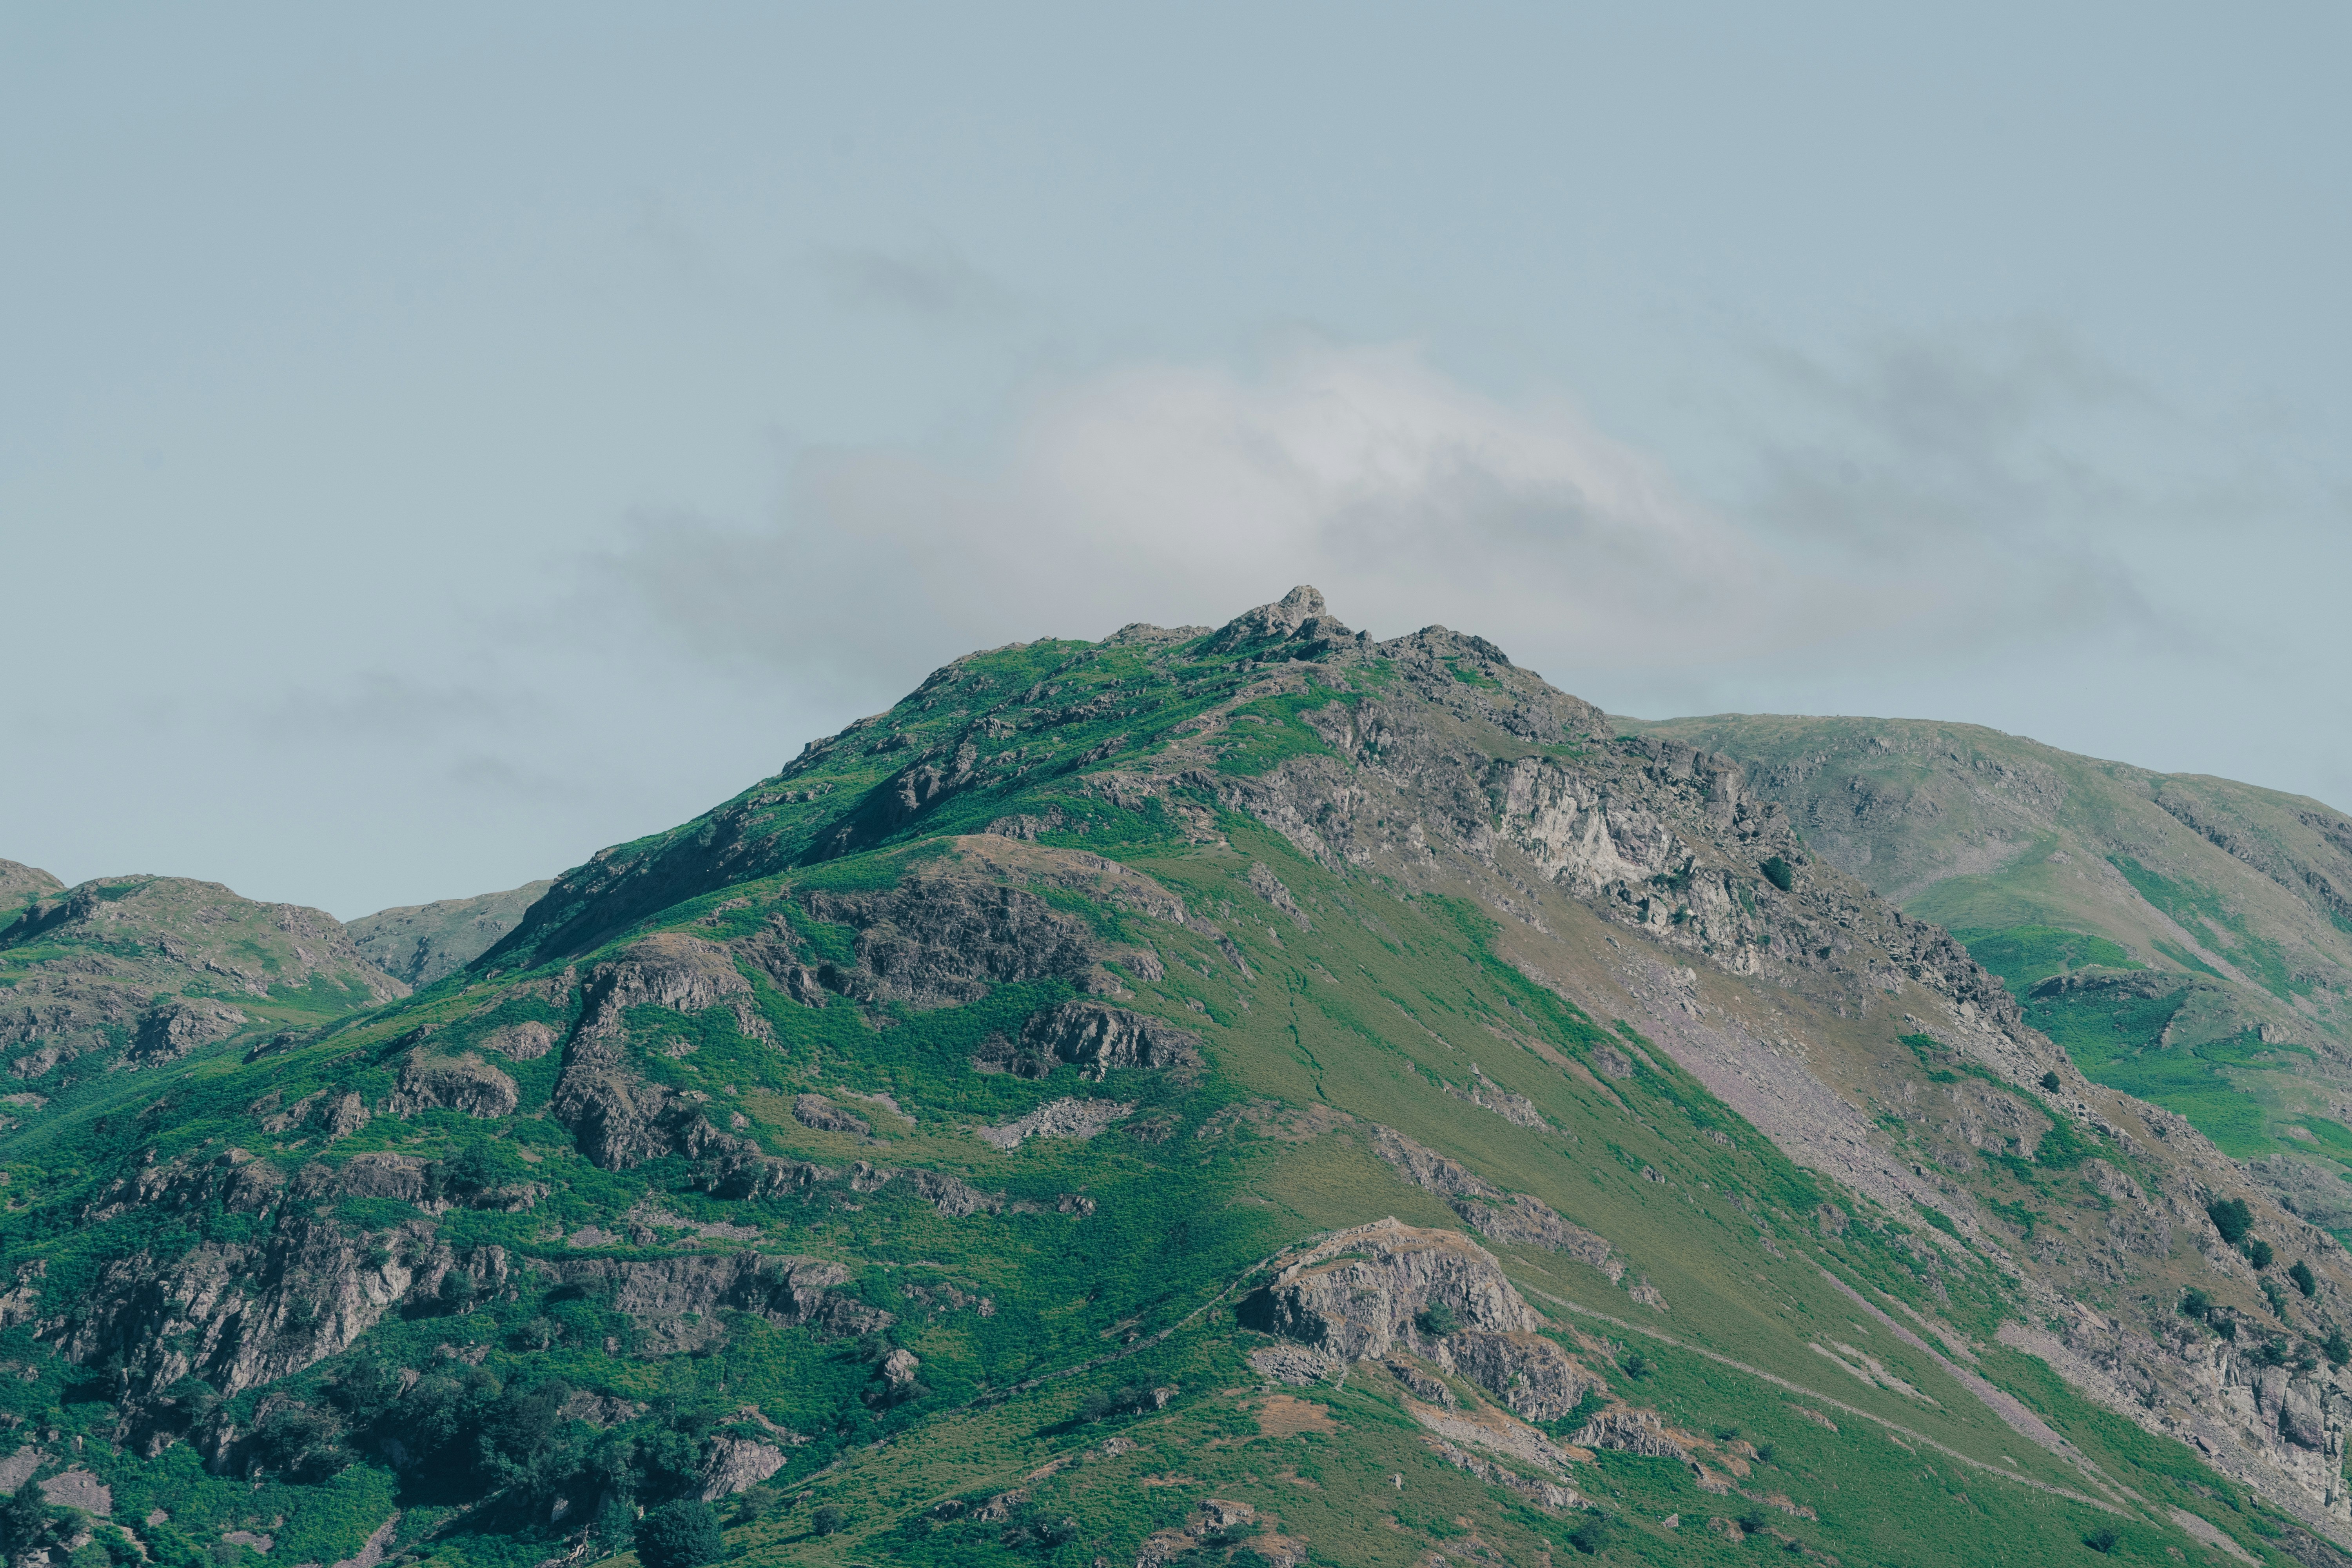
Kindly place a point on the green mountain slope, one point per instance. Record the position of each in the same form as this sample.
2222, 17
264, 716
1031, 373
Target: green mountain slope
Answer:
2232, 900
420, 944
1240, 1096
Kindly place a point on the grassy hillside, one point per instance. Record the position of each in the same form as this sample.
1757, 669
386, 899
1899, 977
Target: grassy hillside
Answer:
970, 1145
2045, 863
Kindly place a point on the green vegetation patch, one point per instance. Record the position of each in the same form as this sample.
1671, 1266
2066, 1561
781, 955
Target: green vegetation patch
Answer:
2192, 906
2118, 1041
2024, 956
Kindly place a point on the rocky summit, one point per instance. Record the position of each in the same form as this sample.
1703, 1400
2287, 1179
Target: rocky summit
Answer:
1243, 1095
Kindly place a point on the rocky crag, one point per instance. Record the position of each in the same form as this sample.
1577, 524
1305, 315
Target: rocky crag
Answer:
1251, 1090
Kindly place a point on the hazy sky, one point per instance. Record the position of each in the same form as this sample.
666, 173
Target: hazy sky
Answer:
436, 442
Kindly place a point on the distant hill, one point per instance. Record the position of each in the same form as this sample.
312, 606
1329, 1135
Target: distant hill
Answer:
2188, 939
22, 885
422, 943
122, 973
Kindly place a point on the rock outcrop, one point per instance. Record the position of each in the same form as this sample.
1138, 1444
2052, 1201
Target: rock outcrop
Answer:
937, 939
1360, 1294
1078, 1118
736, 1464
815, 1110
238, 1315
619, 1117
1356, 1293
674, 1299
1513, 1219
465, 1083
1099, 1039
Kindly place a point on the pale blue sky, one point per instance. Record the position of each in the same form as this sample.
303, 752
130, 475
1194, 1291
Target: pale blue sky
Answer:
436, 442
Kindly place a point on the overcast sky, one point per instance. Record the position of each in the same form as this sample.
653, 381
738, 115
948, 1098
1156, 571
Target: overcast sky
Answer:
436, 442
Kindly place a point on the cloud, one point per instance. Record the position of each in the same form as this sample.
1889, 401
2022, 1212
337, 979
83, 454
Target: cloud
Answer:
1188, 492
934, 285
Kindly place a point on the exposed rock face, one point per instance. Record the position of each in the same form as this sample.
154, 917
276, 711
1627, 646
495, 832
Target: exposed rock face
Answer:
815, 1110
1533, 1376
234, 1179
173, 1030
997, 1054
619, 1117
1298, 617
1356, 1293
937, 939
421, 943
668, 969
1297, 1365
1519, 1220
240, 1315
77, 1489
522, 1042
18, 1468
345, 1115
737, 1464
1630, 1431
466, 1084
21, 1302
2287, 1419
663, 1293
378, 1173
1099, 1039
1062, 1119
951, 1196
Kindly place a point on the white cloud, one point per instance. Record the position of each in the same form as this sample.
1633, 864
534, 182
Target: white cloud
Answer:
1186, 493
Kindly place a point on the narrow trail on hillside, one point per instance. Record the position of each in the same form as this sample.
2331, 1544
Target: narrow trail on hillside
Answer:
1779, 1382
2006, 1405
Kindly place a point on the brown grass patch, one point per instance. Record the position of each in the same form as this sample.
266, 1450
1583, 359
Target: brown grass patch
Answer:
1285, 1416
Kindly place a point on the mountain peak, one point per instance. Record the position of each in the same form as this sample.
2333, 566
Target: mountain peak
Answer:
1298, 613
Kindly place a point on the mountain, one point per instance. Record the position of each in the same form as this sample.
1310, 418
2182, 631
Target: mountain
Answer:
421, 943
2188, 939
1250, 1094
124, 972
